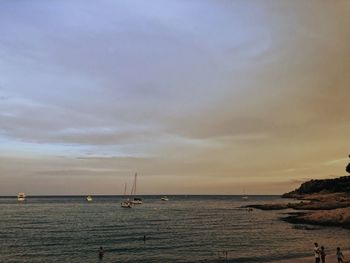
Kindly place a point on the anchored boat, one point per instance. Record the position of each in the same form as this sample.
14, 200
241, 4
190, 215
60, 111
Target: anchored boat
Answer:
126, 203
136, 200
21, 197
164, 198
129, 202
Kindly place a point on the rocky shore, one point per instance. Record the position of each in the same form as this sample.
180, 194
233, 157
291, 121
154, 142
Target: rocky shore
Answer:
334, 217
323, 202
311, 202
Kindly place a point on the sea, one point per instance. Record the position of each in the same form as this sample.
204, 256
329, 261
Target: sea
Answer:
186, 228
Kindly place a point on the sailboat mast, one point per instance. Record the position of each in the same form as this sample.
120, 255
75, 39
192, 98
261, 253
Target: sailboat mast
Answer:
125, 189
135, 180
133, 189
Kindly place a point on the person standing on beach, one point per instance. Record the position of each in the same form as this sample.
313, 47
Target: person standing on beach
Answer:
317, 253
323, 255
340, 256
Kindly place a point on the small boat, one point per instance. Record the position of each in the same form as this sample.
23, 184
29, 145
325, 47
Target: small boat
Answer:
164, 198
89, 198
126, 204
244, 196
137, 201
21, 197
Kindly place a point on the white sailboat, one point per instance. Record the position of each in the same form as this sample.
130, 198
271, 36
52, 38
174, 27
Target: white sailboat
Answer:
136, 200
126, 203
164, 198
21, 197
245, 197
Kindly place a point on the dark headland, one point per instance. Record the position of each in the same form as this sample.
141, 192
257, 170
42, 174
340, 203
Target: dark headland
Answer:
323, 202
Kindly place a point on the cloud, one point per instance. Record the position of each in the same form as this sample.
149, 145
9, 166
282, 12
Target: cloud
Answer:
337, 161
217, 90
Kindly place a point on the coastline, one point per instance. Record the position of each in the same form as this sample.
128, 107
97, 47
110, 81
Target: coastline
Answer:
311, 259
316, 202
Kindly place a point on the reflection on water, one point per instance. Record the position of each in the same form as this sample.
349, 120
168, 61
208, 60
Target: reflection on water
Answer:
185, 229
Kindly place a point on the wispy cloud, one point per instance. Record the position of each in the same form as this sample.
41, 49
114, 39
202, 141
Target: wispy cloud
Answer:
221, 90
342, 161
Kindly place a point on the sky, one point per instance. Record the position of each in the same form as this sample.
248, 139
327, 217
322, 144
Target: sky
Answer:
196, 96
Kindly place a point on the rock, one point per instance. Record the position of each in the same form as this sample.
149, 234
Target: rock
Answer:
327, 202
336, 217
310, 202
268, 206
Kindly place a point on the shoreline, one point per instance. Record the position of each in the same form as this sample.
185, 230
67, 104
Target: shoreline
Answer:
322, 209
311, 259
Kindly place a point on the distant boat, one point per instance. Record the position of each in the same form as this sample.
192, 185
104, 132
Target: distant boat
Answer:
245, 197
136, 200
89, 198
164, 198
21, 197
126, 203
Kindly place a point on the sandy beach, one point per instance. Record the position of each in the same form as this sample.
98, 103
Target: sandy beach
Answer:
329, 258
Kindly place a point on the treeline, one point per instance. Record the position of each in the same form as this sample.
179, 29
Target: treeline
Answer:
341, 184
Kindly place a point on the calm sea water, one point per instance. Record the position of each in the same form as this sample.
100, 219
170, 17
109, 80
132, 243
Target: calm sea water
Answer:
184, 229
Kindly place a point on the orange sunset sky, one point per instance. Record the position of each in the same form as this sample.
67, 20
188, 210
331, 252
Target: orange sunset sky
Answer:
198, 97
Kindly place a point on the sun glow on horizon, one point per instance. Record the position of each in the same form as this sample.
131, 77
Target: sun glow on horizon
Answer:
198, 97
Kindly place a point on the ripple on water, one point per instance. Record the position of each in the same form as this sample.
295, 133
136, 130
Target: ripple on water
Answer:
185, 229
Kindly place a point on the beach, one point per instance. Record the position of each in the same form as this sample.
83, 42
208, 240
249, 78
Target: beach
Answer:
329, 258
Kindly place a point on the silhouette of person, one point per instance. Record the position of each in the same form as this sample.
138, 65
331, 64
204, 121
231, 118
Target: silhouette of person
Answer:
323, 255
317, 253
340, 256
101, 253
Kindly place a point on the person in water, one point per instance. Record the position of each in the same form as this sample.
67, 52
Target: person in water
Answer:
323, 255
101, 252
340, 256
317, 253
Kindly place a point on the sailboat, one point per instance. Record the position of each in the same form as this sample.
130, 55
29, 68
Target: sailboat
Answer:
164, 198
126, 203
136, 200
245, 197
21, 197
